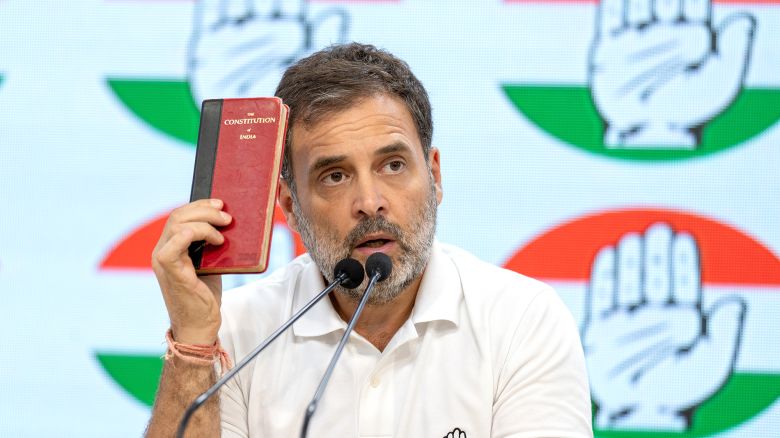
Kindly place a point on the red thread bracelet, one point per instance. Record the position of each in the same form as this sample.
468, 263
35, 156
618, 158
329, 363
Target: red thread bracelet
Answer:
197, 354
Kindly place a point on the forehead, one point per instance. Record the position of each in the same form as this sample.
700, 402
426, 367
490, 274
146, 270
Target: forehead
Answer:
371, 123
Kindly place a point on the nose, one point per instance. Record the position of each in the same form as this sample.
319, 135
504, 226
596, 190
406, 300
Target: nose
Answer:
368, 198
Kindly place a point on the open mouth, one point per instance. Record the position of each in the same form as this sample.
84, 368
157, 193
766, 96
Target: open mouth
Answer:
373, 243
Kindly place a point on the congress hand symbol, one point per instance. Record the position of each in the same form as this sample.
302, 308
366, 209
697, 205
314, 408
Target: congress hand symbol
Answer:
240, 48
659, 70
654, 353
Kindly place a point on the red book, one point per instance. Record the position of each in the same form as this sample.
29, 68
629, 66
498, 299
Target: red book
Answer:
238, 160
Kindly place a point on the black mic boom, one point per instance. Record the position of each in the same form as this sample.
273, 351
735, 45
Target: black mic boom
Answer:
378, 267
348, 273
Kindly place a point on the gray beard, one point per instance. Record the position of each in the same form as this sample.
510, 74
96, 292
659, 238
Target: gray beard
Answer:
327, 249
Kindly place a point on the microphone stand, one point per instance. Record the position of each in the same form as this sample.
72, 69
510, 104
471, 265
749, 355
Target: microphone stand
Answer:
342, 277
325, 378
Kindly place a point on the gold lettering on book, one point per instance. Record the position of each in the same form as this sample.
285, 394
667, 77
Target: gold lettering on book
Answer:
250, 120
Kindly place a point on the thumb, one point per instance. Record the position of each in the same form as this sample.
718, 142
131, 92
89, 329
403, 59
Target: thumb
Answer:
725, 320
734, 39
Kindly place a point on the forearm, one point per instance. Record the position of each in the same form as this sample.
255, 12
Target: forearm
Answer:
180, 383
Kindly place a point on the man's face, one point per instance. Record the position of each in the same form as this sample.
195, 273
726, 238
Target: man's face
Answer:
364, 186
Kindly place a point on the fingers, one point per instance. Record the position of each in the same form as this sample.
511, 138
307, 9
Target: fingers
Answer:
456, 433
236, 10
672, 272
657, 266
277, 8
697, 11
292, 8
629, 275
204, 210
263, 8
639, 12
686, 270
615, 15
602, 283
189, 223
611, 17
210, 14
667, 11
171, 252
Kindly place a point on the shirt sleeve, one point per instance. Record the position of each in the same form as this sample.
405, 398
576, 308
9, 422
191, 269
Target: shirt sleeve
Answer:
543, 388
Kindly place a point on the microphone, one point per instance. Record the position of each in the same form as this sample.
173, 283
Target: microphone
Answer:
348, 272
378, 267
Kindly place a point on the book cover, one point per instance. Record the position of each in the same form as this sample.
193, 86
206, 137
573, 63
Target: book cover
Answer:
238, 160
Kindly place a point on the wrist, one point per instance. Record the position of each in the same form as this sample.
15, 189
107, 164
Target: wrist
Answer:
650, 135
641, 418
203, 337
197, 354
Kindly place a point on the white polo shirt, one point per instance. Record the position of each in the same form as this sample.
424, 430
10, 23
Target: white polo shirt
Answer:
485, 351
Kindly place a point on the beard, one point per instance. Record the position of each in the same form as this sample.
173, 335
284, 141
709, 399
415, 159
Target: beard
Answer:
327, 248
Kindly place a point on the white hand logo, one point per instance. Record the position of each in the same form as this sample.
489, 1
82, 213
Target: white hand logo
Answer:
240, 48
456, 433
659, 70
654, 354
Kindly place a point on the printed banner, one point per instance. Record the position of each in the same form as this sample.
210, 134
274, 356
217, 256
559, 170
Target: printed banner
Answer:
625, 152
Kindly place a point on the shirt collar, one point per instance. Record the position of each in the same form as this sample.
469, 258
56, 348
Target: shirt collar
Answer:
322, 318
438, 297
440, 293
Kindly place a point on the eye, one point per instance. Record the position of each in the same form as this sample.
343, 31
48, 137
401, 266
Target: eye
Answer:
333, 178
394, 166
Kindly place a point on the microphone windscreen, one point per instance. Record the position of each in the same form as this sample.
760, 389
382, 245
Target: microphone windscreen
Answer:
354, 271
379, 263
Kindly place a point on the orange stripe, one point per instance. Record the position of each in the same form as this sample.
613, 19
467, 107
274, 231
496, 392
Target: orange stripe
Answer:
134, 251
566, 252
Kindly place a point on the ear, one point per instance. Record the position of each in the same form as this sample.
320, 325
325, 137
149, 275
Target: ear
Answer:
286, 204
434, 158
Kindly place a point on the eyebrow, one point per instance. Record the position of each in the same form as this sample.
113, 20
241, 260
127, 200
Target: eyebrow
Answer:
324, 162
392, 148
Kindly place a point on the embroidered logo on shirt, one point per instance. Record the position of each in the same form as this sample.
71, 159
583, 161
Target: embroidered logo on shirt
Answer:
456, 433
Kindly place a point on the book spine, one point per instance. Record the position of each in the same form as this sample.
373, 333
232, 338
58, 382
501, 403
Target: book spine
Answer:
205, 160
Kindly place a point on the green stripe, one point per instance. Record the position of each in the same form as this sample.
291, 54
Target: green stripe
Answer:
137, 374
568, 114
744, 395
166, 105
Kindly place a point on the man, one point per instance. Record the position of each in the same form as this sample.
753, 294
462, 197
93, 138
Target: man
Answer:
448, 346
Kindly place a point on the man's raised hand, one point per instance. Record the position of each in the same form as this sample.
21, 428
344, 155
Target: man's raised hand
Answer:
193, 302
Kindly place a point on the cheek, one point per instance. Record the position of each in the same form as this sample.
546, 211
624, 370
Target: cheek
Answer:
412, 195
330, 218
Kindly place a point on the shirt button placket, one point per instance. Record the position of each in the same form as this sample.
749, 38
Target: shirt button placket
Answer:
376, 410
